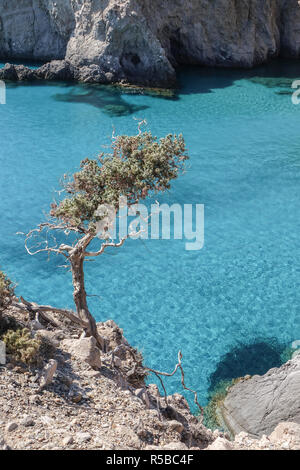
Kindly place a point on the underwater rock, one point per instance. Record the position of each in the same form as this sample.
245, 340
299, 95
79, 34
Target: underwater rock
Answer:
258, 404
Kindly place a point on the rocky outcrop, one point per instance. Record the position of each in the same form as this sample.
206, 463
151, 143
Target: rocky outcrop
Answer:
76, 397
256, 405
56, 70
143, 41
85, 349
286, 436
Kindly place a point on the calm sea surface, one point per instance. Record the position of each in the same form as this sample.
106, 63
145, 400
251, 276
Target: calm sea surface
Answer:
232, 307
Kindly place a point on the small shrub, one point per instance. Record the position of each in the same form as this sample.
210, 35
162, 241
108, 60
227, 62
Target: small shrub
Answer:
6, 292
22, 346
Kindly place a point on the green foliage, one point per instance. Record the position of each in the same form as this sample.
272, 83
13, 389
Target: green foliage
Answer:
22, 346
6, 292
137, 165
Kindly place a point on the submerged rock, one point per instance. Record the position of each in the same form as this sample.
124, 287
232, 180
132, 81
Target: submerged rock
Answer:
258, 404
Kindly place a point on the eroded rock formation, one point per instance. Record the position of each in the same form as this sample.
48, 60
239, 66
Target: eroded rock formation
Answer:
258, 404
143, 41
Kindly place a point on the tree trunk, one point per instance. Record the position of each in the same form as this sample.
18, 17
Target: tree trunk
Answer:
80, 300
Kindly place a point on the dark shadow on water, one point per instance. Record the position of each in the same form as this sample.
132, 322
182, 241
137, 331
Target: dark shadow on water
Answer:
109, 98
252, 359
110, 101
278, 73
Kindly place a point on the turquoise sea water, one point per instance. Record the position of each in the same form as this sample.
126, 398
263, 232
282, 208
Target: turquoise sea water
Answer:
231, 307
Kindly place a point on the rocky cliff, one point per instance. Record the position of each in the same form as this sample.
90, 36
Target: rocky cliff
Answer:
256, 405
75, 397
143, 41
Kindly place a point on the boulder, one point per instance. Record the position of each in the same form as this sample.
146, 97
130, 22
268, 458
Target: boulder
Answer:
85, 349
12, 72
8, 72
61, 70
258, 404
176, 426
176, 445
286, 432
220, 444
11, 426
48, 373
25, 73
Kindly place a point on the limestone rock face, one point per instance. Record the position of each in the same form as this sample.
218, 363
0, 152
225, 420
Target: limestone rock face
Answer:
259, 404
35, 29
116, 36
223, 32
142, 41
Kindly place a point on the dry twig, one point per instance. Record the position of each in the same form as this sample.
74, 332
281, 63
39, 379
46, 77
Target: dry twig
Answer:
166, 374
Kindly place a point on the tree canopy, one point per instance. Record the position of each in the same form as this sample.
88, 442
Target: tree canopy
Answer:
136, 166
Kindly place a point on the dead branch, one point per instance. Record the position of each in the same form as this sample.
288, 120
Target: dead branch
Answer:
112, 244
33, 307
48, 249
46, 227
166, 374
43, 315
104, 246
141, 122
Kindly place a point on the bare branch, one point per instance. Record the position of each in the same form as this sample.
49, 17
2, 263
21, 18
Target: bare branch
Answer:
43, 315
142, 122
112, 244
104, 246
57, 249
166, 374
33, 307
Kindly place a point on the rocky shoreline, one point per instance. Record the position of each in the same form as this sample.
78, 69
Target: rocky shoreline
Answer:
79, 398
143, 41
257, 404
57, 70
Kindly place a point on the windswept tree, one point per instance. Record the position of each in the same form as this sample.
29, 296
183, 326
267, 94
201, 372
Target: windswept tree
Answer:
134, 168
